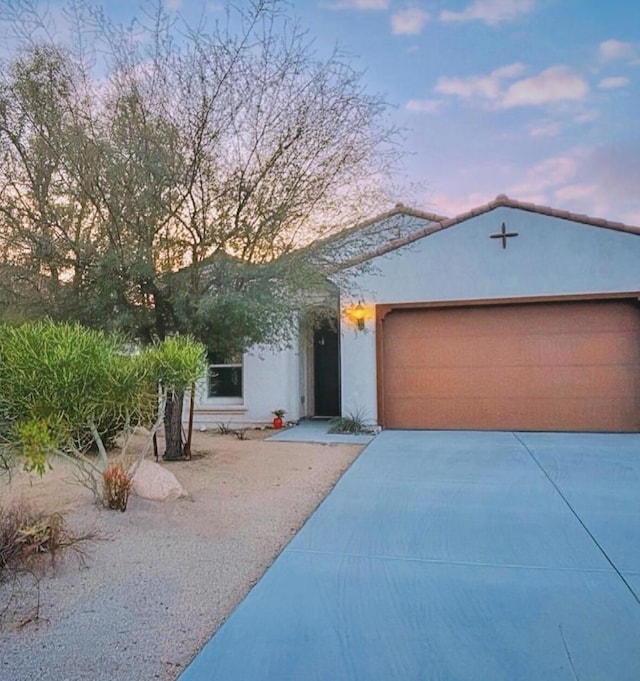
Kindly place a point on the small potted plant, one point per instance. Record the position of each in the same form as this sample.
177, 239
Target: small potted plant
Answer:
277, 418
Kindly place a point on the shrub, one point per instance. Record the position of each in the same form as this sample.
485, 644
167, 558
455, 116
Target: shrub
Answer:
352, 423
116, 486
224, 429
66, 390
30, 543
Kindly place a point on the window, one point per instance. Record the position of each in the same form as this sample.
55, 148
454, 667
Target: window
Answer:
225, 376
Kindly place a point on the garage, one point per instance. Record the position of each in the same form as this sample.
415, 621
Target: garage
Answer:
538, 366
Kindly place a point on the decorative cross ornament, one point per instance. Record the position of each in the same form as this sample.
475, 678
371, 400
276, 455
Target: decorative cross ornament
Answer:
504, 235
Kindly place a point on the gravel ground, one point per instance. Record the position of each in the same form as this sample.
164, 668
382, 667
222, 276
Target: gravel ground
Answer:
168, 574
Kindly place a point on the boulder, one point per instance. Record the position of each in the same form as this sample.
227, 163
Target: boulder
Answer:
152, 481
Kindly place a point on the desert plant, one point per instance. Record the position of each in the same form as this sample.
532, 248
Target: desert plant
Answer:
30, 543
224, 429
240, 433
354, 423
116, 486
278, 413
64, 388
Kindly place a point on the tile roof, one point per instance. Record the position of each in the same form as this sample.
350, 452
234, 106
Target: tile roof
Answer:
501, 201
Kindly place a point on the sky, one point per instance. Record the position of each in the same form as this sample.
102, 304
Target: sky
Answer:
535, 99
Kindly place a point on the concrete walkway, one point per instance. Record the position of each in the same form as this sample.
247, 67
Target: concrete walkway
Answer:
317, 430
454, 556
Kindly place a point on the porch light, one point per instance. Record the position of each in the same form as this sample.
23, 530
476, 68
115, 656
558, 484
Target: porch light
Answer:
357, 315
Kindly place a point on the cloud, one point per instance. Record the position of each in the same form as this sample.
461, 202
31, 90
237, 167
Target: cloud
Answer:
555, 84
453, 205
409, 21
615, 168
613, 83
599, 182
548, 174
587, 117
486, 87
360, 4
424, 105
612, 50
491, 12
546, 129
575, 192
552, 171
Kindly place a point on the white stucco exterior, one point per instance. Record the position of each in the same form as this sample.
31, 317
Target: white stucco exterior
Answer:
551, 256
271, 380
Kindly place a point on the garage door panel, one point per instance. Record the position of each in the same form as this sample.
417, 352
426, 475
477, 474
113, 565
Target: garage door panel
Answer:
489, 350
560, 366
565, 318
514, 382
592, 415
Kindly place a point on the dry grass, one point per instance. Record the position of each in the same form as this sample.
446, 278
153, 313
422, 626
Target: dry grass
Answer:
31, 543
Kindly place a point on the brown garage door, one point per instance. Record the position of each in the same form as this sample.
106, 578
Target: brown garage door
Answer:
552, 366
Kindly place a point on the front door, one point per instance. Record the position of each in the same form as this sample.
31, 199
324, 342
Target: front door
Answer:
326, 370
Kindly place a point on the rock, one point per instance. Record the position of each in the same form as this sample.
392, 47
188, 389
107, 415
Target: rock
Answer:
152, 481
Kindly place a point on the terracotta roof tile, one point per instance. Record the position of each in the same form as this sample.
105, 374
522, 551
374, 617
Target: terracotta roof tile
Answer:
501, 201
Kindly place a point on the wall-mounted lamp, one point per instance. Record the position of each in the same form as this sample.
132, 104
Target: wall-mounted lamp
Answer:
357, 315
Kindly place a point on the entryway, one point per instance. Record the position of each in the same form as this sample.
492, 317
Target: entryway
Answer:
326, 368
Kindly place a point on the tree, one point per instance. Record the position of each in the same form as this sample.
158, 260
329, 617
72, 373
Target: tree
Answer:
155, 191
64, 389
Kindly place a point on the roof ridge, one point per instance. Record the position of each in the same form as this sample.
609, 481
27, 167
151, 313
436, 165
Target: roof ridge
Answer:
398, 209
501, 201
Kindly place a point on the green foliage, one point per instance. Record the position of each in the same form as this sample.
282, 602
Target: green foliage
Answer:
177, 362
63, 387
354, 423
57, 381
37, 439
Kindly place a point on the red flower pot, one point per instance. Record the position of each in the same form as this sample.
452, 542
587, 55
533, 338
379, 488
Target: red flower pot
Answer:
277, 422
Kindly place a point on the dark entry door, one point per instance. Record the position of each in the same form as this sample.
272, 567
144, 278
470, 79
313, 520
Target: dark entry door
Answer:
326, 370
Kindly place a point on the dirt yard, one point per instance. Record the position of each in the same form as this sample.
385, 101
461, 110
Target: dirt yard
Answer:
166, 574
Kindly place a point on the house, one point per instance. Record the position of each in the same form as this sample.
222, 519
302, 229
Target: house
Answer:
512, 316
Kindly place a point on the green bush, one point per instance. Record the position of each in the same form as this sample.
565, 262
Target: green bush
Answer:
352, 423
65, 388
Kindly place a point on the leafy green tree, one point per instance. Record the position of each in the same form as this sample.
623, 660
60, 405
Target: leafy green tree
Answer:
167, 187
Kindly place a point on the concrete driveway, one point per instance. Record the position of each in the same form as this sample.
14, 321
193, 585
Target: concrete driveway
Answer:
454, 556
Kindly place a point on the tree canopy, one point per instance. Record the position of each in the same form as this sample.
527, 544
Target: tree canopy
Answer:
152, 183
160, 179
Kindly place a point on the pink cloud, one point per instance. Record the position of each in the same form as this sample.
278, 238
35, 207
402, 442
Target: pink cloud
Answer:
486, 87
546, 129
491, 12
612, 50
424, 105
613, 83
360, 4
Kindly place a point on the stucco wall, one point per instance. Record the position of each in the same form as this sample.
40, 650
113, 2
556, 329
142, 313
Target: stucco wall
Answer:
271, 380
549, 256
